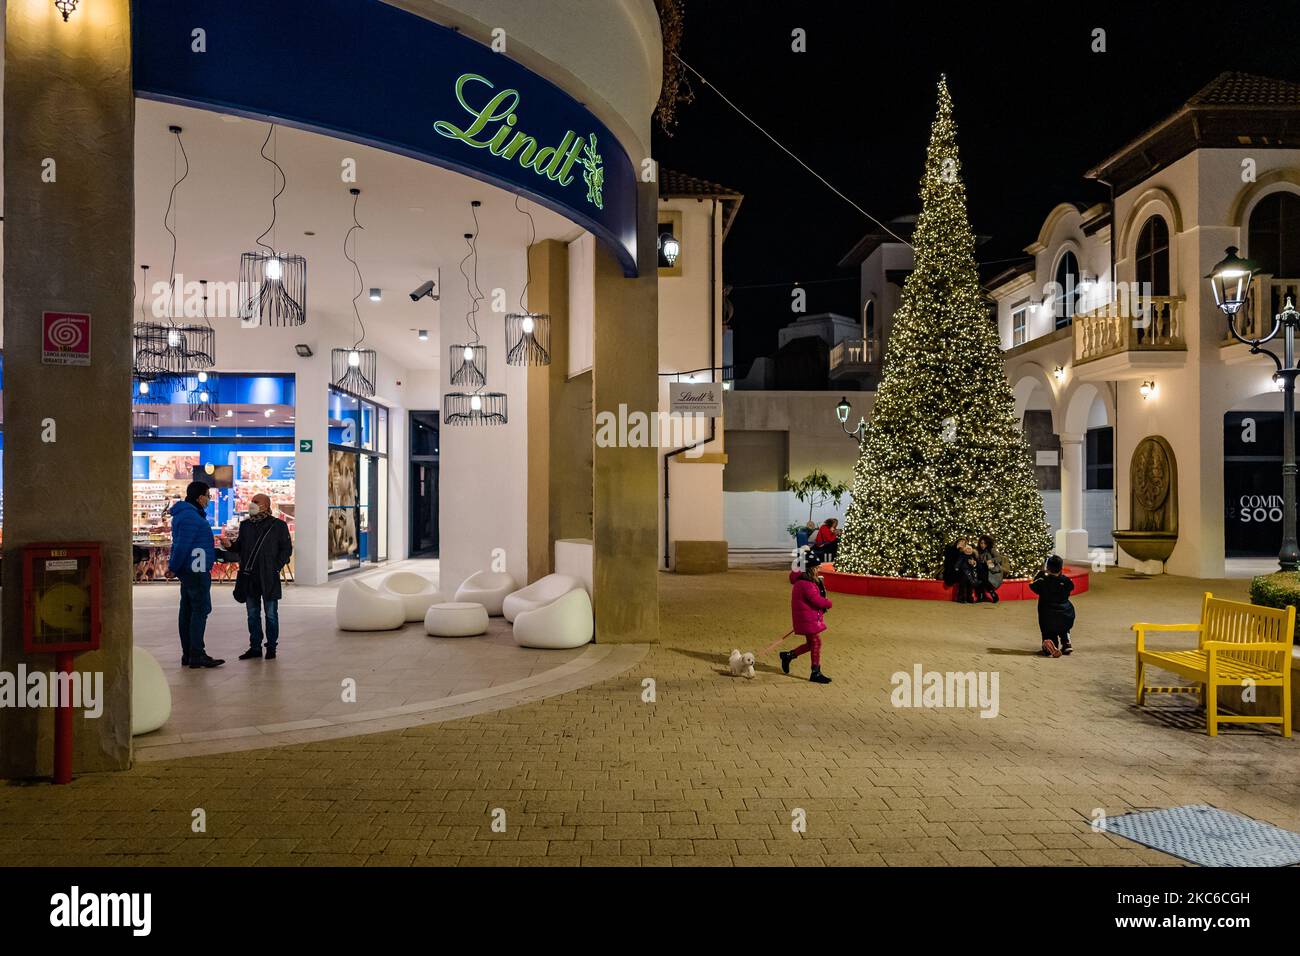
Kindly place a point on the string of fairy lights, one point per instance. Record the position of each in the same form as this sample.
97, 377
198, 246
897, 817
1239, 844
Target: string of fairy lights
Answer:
944, 454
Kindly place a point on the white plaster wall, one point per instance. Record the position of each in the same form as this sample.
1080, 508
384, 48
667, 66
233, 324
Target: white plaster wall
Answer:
690, 309
483, 494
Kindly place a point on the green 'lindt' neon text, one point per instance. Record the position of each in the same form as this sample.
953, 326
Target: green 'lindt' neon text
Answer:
553, 162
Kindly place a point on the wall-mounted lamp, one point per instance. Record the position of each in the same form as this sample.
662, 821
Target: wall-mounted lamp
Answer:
1279, 382
304, 351
376, 295
1058, 373
1147, 389
1086, 282
65, 7
422, 335
670, 247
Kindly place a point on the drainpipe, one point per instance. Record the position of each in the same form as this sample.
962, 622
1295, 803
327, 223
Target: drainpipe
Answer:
713, 364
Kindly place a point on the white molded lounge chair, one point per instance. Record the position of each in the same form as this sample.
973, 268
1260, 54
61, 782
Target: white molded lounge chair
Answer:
361, 607
416, 592
488, 588
541, 592
151, 698
565, 622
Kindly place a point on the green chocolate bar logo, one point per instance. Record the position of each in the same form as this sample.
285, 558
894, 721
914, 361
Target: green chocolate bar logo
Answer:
554, 162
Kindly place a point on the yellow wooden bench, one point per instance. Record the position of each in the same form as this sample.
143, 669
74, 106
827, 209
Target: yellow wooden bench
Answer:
1238, 643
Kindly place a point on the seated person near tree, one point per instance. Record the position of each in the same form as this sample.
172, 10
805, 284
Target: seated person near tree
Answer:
827, 542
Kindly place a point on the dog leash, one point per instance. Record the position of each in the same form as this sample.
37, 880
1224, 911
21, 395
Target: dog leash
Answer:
771, 647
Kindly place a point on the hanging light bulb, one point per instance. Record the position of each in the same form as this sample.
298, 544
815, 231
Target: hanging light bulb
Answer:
476, 403
274, 269
354, 358
528, 324
203, 396
174, 339
144, 388
203, 376
468, 354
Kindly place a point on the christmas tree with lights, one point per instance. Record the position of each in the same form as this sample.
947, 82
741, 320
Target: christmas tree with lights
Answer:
944, 455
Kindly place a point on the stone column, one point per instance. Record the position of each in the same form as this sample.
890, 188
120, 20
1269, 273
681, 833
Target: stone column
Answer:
69, 116
1072, 538
625, 480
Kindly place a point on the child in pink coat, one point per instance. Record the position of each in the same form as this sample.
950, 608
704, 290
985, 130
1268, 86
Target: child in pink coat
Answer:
808, 602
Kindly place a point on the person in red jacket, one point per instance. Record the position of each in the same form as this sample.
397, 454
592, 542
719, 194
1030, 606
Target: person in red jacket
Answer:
827, 542
808, 604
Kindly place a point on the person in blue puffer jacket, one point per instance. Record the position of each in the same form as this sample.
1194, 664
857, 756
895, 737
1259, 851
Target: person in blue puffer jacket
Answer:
193, 554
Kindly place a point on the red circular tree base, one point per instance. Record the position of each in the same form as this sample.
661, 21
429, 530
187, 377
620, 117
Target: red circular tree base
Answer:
928, 589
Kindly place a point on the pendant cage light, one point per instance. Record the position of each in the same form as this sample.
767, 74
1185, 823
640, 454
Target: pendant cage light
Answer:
203, 399
528, 333
354, 370
272, 289
470, 365
144, 424
272, 285
528, 338
474, 408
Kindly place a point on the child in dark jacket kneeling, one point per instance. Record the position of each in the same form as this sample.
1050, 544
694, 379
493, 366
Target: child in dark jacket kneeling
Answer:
1055, 612
808, 602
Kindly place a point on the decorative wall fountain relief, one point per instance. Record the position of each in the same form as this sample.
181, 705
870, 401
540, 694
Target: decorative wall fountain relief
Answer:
1153, 505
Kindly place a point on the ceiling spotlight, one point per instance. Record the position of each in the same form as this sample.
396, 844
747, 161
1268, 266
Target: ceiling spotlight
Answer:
304, 351
376, 295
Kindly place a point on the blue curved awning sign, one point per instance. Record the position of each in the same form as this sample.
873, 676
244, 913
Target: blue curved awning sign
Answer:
368, 72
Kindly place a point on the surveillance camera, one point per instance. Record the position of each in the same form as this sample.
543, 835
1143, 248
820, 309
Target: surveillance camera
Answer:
426, 289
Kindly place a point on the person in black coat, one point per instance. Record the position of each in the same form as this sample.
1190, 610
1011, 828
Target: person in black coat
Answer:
262, 549
1055, 612
950, 555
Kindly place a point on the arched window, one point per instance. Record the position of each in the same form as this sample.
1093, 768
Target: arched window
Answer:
1275, 235
1067, 289
1152, 257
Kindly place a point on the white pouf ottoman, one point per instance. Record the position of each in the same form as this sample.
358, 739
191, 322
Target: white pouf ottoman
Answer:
456, 619
151, 698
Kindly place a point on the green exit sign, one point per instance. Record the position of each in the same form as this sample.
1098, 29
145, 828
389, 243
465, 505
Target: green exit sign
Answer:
304, 445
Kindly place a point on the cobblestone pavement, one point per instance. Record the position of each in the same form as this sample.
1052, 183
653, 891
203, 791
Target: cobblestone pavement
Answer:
712, 771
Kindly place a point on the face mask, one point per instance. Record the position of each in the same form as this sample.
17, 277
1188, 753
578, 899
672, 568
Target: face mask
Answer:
253, 508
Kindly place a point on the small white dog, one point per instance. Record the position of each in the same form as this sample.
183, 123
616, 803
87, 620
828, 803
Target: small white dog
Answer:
742, 665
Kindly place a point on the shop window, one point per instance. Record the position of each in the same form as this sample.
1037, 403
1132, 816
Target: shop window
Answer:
247, 449
357, 523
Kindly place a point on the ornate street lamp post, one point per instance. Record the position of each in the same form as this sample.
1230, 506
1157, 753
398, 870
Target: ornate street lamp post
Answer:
842, 413
1230, 280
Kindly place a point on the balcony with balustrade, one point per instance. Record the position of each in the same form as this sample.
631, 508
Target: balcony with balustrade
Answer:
1127, 339
1267, 297
854, 359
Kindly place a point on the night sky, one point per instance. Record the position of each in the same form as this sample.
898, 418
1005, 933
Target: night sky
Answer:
1035, 109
